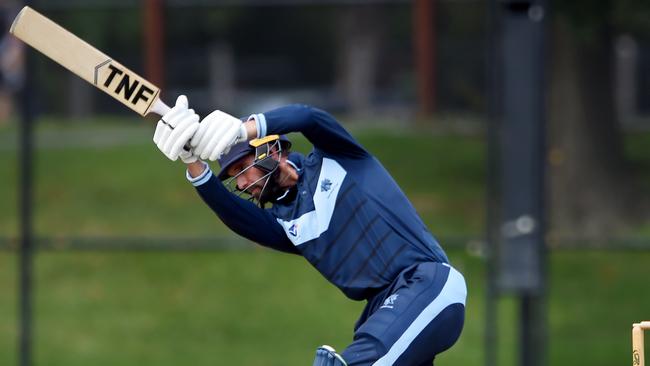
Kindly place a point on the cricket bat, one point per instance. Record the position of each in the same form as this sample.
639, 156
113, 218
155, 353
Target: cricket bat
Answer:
86, 61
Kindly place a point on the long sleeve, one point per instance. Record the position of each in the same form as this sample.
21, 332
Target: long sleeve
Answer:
241, 216
319, 127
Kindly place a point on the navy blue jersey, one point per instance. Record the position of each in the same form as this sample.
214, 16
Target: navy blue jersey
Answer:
347, 216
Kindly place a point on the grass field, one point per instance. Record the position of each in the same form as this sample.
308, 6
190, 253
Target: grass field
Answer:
262, 308
95, 178
256, 307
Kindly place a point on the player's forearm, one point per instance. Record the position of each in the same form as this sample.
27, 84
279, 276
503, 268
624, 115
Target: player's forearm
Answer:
251, 129
196, 168
243, 216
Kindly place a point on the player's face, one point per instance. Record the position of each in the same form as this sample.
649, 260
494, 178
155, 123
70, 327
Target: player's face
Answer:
250, 180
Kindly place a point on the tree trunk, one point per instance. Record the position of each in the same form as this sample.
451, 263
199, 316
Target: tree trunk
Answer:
590, 190
360, 32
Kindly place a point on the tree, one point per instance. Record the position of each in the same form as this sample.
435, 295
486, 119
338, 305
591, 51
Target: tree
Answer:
591, 184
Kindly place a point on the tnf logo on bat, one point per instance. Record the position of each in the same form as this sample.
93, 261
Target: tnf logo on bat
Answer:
120, 83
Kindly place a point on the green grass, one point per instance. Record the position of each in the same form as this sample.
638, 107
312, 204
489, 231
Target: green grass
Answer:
263, 308
198, 308
443, 175
94, 177
256, 307
8, 315
595, 296
212, 308
118, 183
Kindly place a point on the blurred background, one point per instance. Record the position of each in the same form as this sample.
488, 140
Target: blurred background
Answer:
130, 267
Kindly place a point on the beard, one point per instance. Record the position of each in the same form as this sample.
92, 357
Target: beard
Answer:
272, 190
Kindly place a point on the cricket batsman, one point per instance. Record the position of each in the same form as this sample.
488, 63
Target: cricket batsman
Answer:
337, 207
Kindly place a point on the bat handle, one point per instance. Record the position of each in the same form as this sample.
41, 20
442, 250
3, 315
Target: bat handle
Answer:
160, 108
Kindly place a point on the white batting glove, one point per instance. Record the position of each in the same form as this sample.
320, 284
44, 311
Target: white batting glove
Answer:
187, 156
175, 129
216, 134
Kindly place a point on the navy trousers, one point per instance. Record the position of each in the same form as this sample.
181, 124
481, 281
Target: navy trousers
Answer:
420, 315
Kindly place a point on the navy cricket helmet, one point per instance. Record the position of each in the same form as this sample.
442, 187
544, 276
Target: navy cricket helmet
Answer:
260, 146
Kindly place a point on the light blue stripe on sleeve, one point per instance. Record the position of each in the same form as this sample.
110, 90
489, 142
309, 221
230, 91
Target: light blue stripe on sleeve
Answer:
201, 179
260, 120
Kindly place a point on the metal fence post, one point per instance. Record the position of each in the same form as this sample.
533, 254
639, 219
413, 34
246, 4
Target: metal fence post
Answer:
25, 203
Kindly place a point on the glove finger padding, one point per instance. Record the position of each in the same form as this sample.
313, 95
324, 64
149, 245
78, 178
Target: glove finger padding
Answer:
327, 356
160, 127
182, 101
200, 138
207, 124
181, 107
199, 134
242, 135
214, 138
187, 132
179, 136
215, 134
228, 138
175, 129
165, 131
213, 128
207, 130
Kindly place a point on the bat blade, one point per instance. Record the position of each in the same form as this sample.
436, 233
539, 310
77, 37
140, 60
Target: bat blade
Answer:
87, 62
